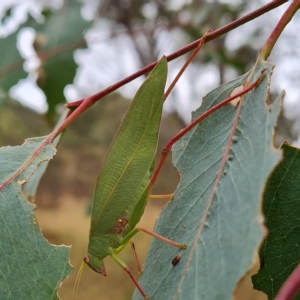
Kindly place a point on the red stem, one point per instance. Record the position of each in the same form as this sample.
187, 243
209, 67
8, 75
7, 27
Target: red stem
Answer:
84, 104
213, 35
291, 287
201, 43
169, 145
284, 20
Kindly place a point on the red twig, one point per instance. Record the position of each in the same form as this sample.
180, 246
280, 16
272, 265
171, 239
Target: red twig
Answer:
82, 105
213, 35
201, 43
284, 20
291, 287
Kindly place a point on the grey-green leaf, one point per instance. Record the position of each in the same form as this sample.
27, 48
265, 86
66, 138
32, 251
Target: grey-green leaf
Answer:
279, 254
30, 187
215, 209
30, 267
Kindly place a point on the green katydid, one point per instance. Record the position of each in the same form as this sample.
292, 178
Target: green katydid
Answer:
125, 180
122, 187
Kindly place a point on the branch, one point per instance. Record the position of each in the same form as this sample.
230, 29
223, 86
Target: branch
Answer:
284, 20
291, 286
82, 105
213, 35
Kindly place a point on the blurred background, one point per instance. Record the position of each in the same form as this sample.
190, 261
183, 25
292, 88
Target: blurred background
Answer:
64, 51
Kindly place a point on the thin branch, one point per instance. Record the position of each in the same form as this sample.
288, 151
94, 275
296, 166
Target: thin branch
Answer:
83, 105
284, 20
213, 35
291, 287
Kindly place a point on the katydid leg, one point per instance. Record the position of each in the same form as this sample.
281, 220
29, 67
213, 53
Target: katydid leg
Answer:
167, 196
126, 269
136, 258
162, 238
118, 250
134, 231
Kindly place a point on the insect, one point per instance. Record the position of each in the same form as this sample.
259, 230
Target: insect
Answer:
124, 183
176, 260
122, 187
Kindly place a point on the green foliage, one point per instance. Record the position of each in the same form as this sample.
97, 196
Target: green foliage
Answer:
279, 254
215, 208
7, 14
57, 37
11, 65
31, 185
31, 268
63, 33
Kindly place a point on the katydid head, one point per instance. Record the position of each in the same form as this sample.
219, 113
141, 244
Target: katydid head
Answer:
95, 263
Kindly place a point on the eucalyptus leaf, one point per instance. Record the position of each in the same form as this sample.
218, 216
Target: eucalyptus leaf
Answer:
279, 254
30, 267
224, 163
